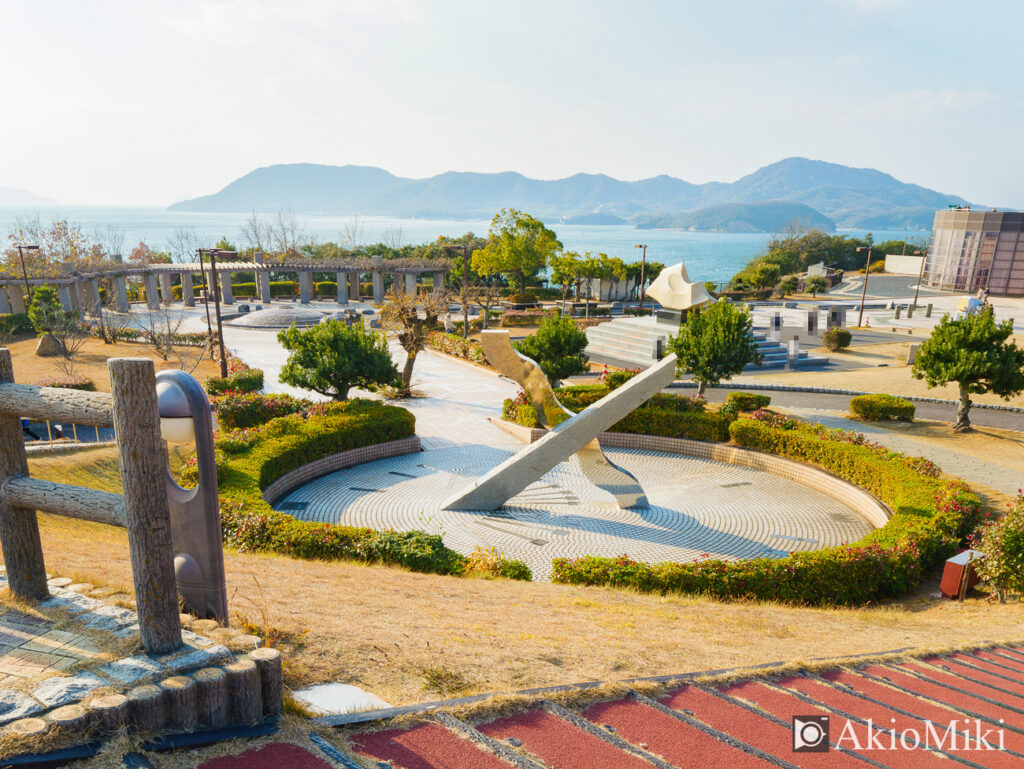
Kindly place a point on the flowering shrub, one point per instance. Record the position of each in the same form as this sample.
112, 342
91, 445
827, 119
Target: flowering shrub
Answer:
488, 562
1002, 542
241, 409
240, 379
452, 344
615, 379
930, 518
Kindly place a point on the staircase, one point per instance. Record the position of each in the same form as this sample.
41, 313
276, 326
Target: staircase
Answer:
635, 342
744, 724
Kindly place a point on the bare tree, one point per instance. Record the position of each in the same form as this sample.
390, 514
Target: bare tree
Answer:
352, 234
256, 233
183, 244
286, 234
393, 237
162, 328
110, 240
411, 318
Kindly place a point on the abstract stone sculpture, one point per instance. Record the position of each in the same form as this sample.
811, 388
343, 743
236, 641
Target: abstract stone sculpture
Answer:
569, 434
674, 290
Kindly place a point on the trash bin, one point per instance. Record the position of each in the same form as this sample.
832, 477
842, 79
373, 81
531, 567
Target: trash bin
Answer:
959, 574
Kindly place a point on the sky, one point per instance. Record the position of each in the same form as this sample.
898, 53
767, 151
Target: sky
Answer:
110, 102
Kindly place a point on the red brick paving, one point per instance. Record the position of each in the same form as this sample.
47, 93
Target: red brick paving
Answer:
276, 755
425, 746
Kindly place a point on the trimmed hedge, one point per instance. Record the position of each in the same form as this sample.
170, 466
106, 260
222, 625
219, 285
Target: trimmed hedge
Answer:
930, 518
284, 288
882, 407
70, 383
250, 460
240, 379
326, 288
671, 416
455, 345
748, 401
241, 410
520, 318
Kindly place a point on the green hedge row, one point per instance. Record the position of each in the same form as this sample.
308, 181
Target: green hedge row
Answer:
242, 380
931, 516
242, 410
882, 407
250, 460
667, 415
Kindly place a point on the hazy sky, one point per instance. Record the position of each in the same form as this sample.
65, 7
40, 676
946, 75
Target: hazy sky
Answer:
145, 102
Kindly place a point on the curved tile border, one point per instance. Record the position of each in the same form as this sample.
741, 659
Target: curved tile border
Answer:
865, 504
303, 475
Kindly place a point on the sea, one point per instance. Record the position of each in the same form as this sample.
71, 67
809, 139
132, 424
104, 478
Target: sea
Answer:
708, 256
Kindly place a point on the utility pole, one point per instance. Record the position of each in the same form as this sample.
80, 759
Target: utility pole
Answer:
643, 272
465, 288
206, 300
864, 292
920, 277
24, 272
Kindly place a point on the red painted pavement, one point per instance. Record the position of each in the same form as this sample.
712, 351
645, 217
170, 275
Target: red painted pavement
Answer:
665, 736
753, 729
1002, 658
425, 746
276, 755
957, 699
559, 743
992, 666
970, 680
919, 707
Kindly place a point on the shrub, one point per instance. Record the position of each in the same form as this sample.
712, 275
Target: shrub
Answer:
488, 562
522, 297
284, 288
326, 288
748, 401
930, 518
70, 383
613, 380
558, 347
455, 345
15, 323
836, 339
882, 407
1002, 542
520, 318
239, 410
240, 379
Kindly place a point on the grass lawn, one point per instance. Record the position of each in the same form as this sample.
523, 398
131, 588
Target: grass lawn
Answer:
90, 362
414, 637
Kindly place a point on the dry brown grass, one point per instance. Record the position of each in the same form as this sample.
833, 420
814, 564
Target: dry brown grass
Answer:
91, 362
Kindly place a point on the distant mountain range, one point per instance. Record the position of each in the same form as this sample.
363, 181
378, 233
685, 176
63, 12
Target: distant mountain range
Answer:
769, 216
12, 196
849, 197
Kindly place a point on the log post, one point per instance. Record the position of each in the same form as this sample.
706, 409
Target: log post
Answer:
28, 727
268, 662
71, 719
111, 712
181, 694
147, 708
19, 528
244, 694
140, 452
213, 696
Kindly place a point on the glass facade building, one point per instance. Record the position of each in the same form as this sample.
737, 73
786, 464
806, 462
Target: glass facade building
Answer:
970, 250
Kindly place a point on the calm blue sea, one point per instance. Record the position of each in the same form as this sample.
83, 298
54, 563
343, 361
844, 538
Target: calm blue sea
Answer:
707, 255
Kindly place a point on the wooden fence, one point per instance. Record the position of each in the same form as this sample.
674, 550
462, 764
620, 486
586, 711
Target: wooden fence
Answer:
131, 409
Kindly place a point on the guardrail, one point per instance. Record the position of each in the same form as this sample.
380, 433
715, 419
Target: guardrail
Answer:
143, 509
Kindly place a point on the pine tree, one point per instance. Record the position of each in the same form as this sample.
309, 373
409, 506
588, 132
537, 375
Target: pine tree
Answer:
715, 344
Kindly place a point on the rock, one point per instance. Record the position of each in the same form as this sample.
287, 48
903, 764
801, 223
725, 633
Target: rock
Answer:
49, 346
63, 690
132, 669
15, 705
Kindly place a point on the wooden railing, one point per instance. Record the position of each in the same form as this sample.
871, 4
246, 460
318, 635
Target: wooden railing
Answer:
131, 409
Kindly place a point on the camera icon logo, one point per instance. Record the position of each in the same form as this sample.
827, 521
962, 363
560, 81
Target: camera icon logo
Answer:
810, 734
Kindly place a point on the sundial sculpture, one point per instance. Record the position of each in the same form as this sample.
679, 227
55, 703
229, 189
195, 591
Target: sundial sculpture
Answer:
569, 434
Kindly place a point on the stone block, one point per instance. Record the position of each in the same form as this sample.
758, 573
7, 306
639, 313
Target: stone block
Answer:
49, 346
132, 669
192, 659
63, 690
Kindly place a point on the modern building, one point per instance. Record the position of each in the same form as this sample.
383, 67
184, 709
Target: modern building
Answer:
970, 250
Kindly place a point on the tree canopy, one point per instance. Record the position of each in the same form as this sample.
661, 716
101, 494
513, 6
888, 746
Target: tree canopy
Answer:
973, 352
332, 357
558, 347
715, 344
520, 246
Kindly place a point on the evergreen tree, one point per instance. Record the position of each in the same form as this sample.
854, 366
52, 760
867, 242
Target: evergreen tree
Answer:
558, 347
974, 353
715, 344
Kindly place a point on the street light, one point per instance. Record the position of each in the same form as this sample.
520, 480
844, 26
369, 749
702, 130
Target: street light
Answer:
643, 270
920, 277
216, 305
24, 272
864, 292
196, 536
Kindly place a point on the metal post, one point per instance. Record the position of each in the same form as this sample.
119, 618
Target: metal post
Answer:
920, 277
216, 306
643, 272
19, 527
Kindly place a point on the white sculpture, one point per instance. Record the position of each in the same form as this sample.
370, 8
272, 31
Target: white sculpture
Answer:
674, 290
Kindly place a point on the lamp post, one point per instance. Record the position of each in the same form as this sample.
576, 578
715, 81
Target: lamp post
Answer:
24, 272
864, 292
643, 271
216, 306
195, 515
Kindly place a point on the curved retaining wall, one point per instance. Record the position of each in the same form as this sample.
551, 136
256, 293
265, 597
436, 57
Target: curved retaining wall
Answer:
865, 504
303, 475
